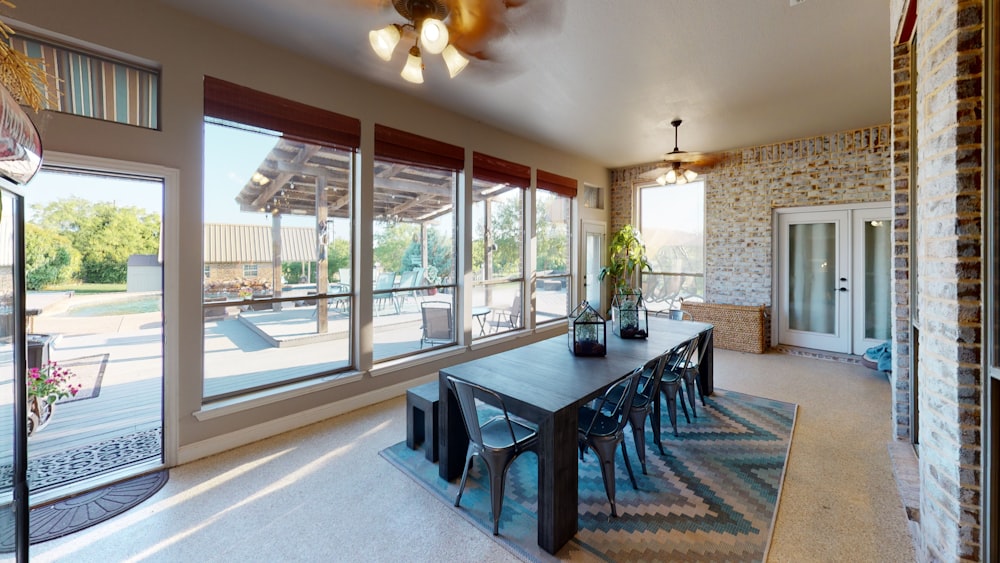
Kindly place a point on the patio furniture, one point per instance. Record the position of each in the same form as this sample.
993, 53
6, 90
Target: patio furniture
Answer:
410, 279
385, 282
438, 323
422, 419
507, 319
497, 441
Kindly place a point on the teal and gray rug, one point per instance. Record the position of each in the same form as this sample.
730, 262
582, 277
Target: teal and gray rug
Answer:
713, 496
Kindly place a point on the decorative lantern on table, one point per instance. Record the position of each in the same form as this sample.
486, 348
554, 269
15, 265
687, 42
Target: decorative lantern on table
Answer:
629, 317
587, 331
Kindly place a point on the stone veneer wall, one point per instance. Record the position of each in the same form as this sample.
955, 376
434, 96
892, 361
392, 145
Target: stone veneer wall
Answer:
900, 376
949, 51
745, 188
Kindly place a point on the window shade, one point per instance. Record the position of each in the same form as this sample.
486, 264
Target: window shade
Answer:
492, 169
232, 102
556, 183
408, 148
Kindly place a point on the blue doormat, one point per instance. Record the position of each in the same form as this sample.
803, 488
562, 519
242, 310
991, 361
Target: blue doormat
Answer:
713, 496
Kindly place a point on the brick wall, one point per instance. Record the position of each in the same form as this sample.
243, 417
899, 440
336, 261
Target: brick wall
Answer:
900, 377
743, 190
949, 104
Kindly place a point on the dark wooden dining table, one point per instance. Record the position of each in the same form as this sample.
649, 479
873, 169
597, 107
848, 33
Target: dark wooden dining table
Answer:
546, 384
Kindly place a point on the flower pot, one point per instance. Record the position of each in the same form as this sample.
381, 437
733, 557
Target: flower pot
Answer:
39, 414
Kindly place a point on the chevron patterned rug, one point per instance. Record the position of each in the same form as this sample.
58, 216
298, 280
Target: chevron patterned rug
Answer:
713, 496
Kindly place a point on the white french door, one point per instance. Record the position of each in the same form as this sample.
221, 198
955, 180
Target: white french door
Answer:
834, 278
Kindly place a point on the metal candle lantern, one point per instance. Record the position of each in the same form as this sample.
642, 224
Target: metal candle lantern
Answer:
629, 317
587, 332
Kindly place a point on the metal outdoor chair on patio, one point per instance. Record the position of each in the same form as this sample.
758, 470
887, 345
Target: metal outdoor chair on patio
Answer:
602, 429
438, 323
498, 441
506, 319
385, 281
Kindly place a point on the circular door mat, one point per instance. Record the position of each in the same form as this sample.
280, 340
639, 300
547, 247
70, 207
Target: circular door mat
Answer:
84, 510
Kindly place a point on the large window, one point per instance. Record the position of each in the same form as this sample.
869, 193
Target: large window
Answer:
277, 237
414, 243
497, 245
672, 223
554, 236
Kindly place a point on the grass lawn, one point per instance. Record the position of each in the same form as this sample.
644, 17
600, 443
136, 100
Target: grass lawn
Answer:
88, 288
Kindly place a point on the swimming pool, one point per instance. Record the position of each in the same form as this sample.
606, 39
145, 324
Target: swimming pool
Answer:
125, 306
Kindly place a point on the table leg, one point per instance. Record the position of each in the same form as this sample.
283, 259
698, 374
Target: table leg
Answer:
706, 371
557, 480
453, 440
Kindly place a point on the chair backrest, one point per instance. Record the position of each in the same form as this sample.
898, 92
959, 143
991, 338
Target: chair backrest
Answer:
385, 280
649, 381
515, 312
680, 315
437, 319
680, 356
616, 402
345, 276
466, 393
408, 279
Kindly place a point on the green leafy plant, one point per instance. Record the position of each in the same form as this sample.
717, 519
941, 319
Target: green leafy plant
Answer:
50, 382
627, 255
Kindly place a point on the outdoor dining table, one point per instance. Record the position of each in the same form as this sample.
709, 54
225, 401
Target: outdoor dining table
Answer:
546, 384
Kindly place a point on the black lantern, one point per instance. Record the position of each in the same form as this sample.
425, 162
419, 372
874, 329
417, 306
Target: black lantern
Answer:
629, 318
587, 331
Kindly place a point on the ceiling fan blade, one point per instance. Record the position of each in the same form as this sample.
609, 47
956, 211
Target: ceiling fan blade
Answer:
473, 23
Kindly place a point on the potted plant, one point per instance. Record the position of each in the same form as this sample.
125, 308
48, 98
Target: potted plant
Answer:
47, 384
627, 255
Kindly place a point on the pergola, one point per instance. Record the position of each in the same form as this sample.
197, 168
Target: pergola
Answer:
306, 179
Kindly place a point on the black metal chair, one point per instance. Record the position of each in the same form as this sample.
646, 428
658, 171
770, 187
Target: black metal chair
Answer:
689, 369
498, 441
646, 395
670, 388
602, 428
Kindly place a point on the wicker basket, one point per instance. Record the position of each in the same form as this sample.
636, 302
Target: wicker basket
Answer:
737, 327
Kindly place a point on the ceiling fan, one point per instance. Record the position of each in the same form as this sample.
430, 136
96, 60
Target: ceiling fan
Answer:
680, 164
456, 29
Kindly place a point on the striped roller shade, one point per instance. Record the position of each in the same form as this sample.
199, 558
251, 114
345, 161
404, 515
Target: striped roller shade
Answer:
92, 86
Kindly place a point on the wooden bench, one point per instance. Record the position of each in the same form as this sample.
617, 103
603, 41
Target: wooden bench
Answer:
422, 419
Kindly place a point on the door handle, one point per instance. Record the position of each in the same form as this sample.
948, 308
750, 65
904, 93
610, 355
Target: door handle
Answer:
842, 289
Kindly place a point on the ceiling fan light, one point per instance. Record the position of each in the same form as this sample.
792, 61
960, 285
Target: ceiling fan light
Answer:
670, 177
414, 69
384, 40
454, 60
681, 180
661, 179
433, 35
690, 175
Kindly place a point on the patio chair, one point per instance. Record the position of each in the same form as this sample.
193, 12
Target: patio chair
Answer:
409, 279
507, 319
497, 441
385, 281
602, 428
438, 323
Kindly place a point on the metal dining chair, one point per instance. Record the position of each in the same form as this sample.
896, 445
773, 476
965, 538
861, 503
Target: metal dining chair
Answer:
602, 429
670, 388
688, 368
497, 441
646, 395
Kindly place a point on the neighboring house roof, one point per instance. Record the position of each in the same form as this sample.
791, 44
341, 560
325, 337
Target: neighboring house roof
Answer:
144, 260
248, 244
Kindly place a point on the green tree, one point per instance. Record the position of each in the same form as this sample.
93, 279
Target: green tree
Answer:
104, 234
391, 244
49, 258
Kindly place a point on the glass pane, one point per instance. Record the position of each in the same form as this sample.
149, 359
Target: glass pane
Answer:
497, 255
594, 251
812, 259
666, 291
675, 240
878, 277
277, 289
414, 250
7, 221
553, 232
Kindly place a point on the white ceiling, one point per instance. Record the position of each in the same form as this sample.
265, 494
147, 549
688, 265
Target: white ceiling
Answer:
604, 78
